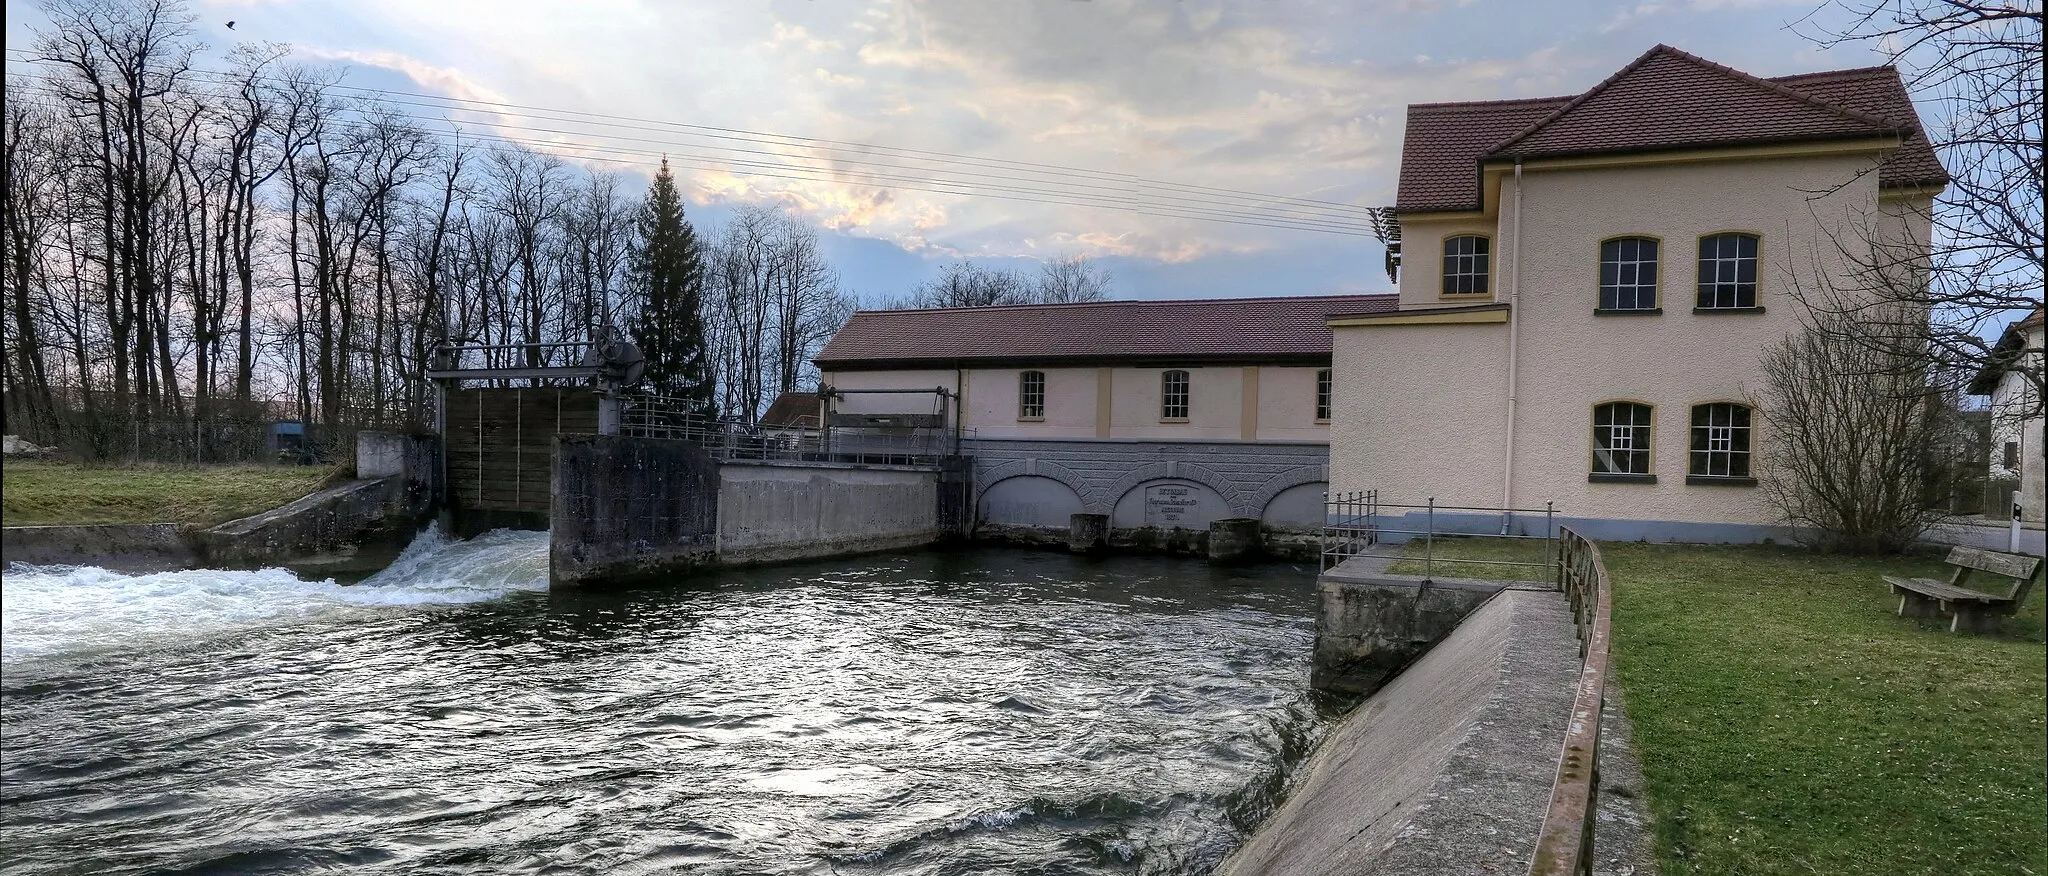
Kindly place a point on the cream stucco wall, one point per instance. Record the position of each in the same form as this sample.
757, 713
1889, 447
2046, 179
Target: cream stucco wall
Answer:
993, 397
1287, 405
1262, 403
1422, 260
1421, 407
1419, 411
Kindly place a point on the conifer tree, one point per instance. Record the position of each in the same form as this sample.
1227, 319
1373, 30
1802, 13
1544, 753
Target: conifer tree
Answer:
667, 274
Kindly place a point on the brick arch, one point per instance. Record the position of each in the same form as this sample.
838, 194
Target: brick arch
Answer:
1104, 501
1259, 497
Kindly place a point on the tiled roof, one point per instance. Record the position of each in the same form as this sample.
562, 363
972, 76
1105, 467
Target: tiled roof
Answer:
1209, 329
1666, 99
1440, 156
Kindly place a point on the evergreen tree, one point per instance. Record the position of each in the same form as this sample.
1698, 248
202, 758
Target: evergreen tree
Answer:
667, 275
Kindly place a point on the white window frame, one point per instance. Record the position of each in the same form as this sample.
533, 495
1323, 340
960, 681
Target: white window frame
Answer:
1720, 449
1326, 394
1623, 438
1030, 397
1638, 292
1175, 402
1711, 287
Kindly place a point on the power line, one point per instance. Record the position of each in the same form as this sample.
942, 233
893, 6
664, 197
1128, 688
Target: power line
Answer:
1188, 209
1126, 184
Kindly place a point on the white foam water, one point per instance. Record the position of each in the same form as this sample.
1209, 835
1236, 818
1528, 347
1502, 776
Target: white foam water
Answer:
54, 610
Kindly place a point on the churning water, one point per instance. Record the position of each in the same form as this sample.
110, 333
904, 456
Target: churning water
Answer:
942, 713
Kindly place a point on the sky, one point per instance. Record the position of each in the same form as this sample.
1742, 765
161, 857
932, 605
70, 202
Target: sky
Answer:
1058, 100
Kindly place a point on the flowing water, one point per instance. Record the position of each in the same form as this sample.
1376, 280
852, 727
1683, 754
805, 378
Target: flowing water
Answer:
938, 713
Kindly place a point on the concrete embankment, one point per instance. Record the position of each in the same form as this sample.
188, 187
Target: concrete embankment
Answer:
1448, 768
354, 527
135, 548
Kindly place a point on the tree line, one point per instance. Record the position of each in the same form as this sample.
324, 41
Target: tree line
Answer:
189, 250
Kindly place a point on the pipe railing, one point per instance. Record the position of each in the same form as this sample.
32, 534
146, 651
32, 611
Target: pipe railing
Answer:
1565, 847
1357, 522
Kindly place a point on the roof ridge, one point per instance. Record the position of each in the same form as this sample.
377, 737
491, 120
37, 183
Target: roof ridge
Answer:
1666, 50
1125, 302
1477, 104
1845, 71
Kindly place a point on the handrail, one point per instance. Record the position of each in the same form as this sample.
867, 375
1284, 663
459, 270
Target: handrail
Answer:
1565, 847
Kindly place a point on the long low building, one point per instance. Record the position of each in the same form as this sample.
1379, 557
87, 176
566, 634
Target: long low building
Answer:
1168, 414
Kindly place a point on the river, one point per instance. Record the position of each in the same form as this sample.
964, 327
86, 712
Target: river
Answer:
982, 711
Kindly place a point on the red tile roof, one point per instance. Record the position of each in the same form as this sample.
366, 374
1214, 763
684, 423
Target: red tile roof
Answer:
1666, 99
1211, 329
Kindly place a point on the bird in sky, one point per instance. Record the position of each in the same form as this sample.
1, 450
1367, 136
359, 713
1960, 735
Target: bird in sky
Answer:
231, 25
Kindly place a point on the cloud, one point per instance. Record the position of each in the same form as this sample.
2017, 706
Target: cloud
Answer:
445, 80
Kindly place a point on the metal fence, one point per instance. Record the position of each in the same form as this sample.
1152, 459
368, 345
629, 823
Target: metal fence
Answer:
1565, 847
663, 417
1357, 523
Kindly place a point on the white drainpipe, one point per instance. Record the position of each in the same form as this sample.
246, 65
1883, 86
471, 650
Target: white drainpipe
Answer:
1507, 478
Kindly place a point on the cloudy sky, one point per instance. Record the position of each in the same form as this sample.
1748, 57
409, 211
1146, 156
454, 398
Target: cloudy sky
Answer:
1132, 117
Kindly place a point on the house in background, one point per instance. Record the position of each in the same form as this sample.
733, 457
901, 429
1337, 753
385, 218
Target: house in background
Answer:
1590, 280
1158, 413
2018, 454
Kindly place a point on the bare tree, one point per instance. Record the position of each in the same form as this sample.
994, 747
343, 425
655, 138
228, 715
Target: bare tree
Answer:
1853, 424
967, 284
1979, 66
1071, 279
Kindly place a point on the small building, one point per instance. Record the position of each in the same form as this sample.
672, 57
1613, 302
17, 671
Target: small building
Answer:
1167, 414
2018, 455
1590, 280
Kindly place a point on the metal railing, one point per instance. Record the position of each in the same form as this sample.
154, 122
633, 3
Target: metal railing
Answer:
1360, 522
1565, 847
668, 418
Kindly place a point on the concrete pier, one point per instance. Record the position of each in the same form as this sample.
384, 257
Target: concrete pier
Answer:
1234, 540
1370, 624
1087, 533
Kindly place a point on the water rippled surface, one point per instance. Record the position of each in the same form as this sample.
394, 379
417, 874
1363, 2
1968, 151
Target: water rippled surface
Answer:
946, 713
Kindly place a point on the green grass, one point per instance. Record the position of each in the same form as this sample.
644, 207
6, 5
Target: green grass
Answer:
1790, 722
38, 492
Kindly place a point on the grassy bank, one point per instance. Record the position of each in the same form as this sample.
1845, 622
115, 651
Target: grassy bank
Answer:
40, 492
1789, 722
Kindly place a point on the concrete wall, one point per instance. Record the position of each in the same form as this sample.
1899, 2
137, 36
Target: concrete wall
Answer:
628, 509
777, 512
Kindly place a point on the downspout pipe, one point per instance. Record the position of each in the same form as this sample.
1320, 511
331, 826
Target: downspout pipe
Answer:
1507, 477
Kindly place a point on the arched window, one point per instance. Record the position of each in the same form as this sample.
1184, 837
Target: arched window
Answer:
1628, 274
1324, 390
1031, 395
1465, 264
1621, 441
1728, 272
1173, 395
1720, 443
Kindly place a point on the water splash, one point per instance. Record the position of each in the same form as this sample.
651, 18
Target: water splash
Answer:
62, 610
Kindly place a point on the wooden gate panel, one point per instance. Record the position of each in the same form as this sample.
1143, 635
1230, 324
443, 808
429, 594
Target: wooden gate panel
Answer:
500, 443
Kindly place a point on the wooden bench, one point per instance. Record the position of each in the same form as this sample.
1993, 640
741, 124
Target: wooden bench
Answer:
1971, 611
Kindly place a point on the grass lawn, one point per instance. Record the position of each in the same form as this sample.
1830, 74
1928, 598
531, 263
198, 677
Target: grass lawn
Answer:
38, 492
1789, 722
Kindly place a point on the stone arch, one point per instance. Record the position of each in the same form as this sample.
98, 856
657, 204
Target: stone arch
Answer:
1029, 500
1104, 501
1182, 503
1262, 495
1298, 507
989, 477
